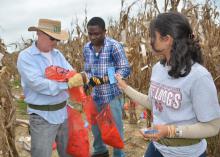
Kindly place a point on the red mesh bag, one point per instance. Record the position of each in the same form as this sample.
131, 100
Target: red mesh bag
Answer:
54, 146
90, 110
109, 132
77, 94
62, 75
78, 142
58, 73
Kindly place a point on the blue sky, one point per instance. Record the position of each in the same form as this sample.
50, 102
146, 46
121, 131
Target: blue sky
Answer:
17, 15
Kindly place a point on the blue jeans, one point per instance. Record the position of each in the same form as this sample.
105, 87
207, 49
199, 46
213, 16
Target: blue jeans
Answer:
153, 152
43, 134
98, 145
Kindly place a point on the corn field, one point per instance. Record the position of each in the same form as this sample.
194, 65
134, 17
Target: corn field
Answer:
133, 33
7, 107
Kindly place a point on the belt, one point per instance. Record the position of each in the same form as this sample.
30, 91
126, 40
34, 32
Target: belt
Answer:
178, 142
48, 107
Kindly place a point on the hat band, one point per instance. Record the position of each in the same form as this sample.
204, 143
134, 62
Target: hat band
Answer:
55, 29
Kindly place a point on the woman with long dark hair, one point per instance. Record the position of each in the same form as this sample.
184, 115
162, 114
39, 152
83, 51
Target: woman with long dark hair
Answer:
182, 94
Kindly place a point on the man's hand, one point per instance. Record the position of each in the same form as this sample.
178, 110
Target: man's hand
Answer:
76, 80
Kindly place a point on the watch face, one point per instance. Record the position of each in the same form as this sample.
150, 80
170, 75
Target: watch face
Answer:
178, 132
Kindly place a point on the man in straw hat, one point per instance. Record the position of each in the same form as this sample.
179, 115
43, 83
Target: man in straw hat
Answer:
46, 99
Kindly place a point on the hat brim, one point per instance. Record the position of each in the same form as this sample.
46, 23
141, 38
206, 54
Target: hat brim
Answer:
63, 35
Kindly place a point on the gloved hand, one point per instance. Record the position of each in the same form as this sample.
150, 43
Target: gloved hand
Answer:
94, 81
76, 80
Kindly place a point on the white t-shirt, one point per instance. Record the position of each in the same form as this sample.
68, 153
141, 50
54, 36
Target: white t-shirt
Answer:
185, 100
48, 56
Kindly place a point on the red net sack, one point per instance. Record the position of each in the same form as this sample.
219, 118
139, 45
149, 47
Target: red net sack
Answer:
62, 75
58, 73
77, 94
109, 132
78, 142
90, 110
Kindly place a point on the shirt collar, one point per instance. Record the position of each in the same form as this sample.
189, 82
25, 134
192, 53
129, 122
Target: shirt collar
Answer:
91, 45
36, 51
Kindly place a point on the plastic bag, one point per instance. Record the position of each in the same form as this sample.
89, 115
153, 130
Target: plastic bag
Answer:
78, 142
109, 132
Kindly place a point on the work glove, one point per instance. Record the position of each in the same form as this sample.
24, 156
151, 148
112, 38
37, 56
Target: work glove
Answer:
77, 80
95, 81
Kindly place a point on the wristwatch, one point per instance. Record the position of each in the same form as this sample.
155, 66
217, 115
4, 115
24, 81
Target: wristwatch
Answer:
178, 132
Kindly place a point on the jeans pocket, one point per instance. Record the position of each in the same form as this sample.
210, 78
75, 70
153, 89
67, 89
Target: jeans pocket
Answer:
37, 120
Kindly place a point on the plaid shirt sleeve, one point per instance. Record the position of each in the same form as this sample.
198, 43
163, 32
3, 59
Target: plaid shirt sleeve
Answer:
121, 62
86, 64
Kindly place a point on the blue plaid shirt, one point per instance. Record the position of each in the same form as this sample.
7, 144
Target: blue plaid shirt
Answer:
112, 55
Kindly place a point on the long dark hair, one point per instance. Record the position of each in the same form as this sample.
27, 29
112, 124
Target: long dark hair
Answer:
185, 49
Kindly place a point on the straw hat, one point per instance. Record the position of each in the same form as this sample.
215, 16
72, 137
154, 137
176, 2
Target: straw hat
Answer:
52, 28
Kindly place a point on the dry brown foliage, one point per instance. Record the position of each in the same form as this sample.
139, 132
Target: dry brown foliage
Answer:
7, 109
133, 32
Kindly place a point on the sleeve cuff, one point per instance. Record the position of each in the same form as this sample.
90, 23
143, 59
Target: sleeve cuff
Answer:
63, 85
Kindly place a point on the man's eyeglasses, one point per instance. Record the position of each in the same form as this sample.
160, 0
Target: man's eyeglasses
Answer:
52, 39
